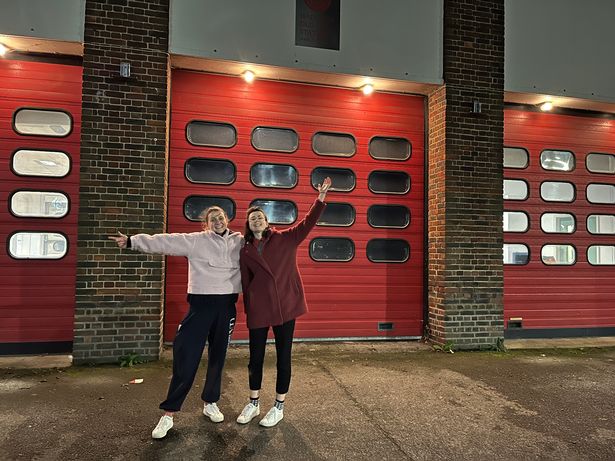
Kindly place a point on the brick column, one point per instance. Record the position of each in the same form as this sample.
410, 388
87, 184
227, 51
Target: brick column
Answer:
466, 281
123, 178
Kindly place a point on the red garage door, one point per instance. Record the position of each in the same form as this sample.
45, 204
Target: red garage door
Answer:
233, 143
40, 120
559, 223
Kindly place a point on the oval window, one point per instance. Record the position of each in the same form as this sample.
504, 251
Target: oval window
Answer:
277, 211
388, 216
558, 255
557, 160
601, 255
195, 205
558, 223
334, 144
600, 193
39, 204
211, 134
516, 253
388, 251
273, 175
37, 245
515, 189
515, 157
342, 179
601, 224
275, 139
552, 191
209, 171
332, 249
382, 148
42, 122
40, 163
600, 163
389, 182
516, 221
337, 215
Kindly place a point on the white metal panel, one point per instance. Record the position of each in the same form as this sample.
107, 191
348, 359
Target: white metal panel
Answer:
55, 20
400, 39
560, 48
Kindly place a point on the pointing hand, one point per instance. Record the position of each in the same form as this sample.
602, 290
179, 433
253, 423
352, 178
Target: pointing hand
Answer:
121, 239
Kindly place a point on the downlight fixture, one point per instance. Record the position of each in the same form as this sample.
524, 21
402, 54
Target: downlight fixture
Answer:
248, 76
546, 106
367, 89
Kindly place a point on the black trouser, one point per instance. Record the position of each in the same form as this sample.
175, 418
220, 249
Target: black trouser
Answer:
283, 345
211, 318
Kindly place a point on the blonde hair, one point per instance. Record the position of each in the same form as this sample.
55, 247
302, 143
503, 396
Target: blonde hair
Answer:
205, 214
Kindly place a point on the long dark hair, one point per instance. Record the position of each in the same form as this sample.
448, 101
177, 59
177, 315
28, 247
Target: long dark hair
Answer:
247, 233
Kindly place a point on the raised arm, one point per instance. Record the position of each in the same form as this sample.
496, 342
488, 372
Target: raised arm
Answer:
163, 244
324, 188
301, 230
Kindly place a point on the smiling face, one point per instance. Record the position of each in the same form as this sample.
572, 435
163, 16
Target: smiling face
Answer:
257, 222
217, 221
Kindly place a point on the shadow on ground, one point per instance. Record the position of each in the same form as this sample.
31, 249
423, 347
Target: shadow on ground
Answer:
382, 401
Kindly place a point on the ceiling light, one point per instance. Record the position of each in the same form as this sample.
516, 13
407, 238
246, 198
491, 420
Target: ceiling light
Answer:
367, 89
248, 76
3, 49
546, 106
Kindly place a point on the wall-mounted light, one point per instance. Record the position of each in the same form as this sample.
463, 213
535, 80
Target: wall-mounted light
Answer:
367, 89
125, 69
546, 106
3, 49
248, 76
477, 106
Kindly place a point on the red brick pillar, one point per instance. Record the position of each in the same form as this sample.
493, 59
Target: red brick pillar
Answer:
123, 178
466, 132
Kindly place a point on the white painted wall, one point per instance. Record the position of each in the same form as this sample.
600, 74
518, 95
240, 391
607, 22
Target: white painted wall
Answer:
50, 19
400, 39
561, 48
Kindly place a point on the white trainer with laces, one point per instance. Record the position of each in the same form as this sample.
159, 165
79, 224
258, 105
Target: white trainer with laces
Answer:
273, 417
212, 411
248, 413
163, 426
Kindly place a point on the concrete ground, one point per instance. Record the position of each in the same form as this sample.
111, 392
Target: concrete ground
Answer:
348, 401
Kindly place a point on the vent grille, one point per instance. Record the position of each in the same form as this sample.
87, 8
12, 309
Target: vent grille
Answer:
515, 323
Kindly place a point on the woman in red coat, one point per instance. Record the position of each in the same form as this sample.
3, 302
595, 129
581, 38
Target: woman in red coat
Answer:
273, 297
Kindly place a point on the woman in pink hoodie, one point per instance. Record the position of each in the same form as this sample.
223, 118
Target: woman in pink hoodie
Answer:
213, 287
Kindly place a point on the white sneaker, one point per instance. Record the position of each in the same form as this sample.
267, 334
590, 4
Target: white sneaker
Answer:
212, 411
248, 413
163, 426
273, 417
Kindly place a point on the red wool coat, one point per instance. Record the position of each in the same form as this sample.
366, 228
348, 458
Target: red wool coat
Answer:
272, 287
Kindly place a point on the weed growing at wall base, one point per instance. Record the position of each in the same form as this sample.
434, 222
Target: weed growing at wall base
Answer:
448, 346
130, 360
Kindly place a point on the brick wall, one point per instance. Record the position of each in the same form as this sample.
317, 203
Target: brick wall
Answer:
465, 179
123, 160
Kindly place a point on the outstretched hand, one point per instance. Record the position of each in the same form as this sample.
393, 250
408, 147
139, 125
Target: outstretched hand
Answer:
120, 239
324, 188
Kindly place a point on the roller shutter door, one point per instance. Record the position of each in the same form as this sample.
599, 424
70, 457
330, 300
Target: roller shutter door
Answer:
559, 224
234, 142
40, 119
